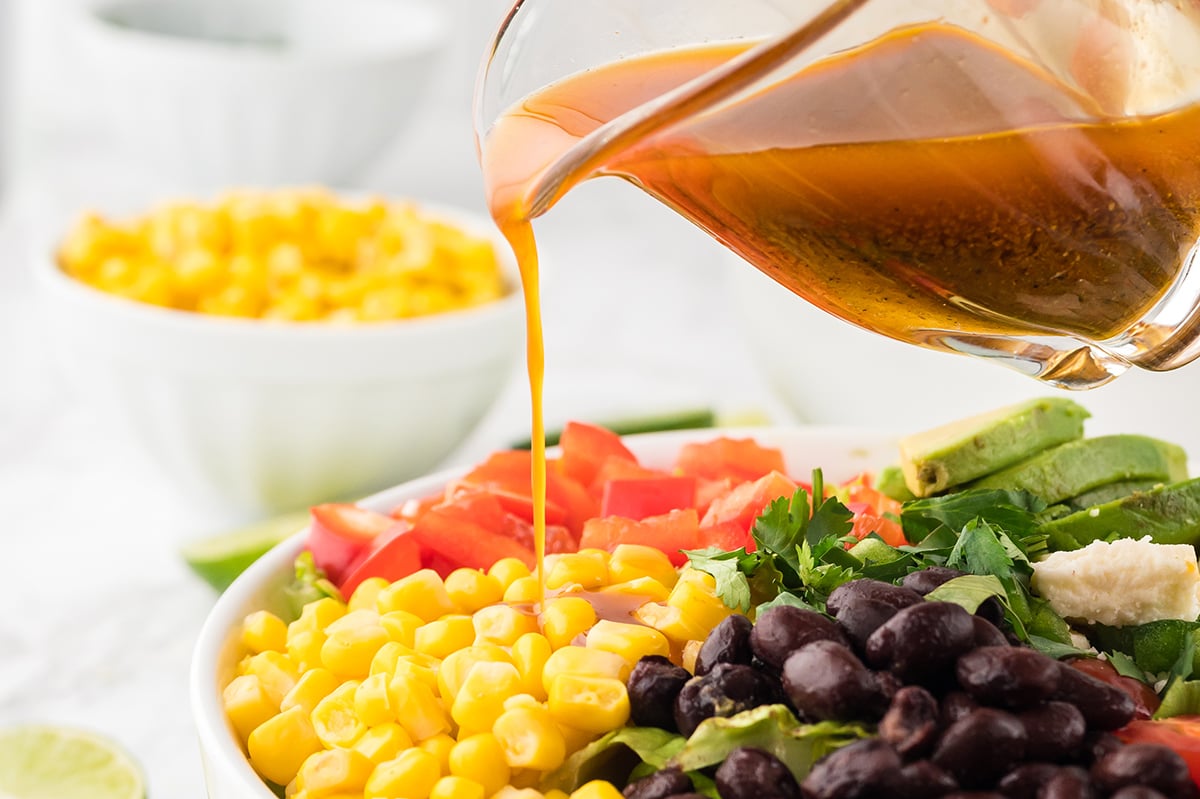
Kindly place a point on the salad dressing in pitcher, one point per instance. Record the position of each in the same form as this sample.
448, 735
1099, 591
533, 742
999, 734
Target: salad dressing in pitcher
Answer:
927, 185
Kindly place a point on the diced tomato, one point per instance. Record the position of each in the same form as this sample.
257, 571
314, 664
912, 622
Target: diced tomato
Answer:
746, 502
860, 490
670, 532
727, 537
1181, 733
395, 554
480, 508
866, 522
508, 477
709, 490
585, 447
519, 504
443, 566
616, 467
341, 535
412, 508
571, 496
449, 531
739, 458
639, 497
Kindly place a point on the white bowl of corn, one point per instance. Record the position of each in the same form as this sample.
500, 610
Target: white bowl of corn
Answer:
275, 349
325, 742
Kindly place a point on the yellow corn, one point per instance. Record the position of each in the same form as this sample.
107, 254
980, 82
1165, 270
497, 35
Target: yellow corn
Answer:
414, 666
507, 571
671, 622
472, 589
247, 704
365, 595
645, 589
454, 669
521, 700
421, 593
333, 771
384, 661
263, 631
530, 739
372, 703
444, 636
523, 590
513, 792
383, 742
439, 746
304, 648
334, 718
583, 662
695, 594
320, 614
596, 789
480, 700
566, 617
348, 650
410, 774
481, 758
555, 793
634, 561
529, 654
313, 686
281, 744
401, 626
630, 641
502, 624
456, 788
587, 569
274, 671
691, 651
417, 708
574, 737
591, 704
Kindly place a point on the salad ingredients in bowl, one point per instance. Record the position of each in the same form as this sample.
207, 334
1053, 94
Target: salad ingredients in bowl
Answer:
728, 616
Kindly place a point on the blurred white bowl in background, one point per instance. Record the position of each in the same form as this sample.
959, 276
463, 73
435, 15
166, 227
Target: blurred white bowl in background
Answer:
253, 417
220, 92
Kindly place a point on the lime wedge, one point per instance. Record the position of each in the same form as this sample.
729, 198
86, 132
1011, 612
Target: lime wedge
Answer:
219, 559
59, 763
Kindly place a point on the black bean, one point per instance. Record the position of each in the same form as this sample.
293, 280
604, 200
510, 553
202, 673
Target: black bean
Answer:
725, 691
875, 590
910, 724
754, 774
659, 785
783, 629
991, 611
1054, 730
921, 642
1024, 781
729, 642
861, 616
1104, 706
926, 580
1137, 792
826, 681
1070, 782
1096, 744
921, 780
955, 705
981, 747
987, 634
654, 683
1008, 676
1151, 765
974, 795
862, 770
691, 795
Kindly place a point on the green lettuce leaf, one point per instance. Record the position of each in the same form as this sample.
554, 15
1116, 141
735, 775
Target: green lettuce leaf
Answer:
614, 756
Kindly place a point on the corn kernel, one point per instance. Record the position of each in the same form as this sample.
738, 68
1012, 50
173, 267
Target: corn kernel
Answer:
334, 719
417, 708
502, 624
333, 771
313, 686
523, 590
304, 648
671, 622
421, 593
320, 614
521, 700
455, 668
411, 774
583, 662
275, 672
481, 758
530, 739
633, 561
696, 595
367, 592
456, 788
401, 625
566, 617
263, 631
413, 666
524, 792
383, 742
596, 789
691, 653
574, 737
384, 661
555, 793
472, 589
592, 704
444, 636
439, 746
281, 744
587, 569
247, 704
529, 654
480, 700
372, 704
645, 589
349, 649
508, 570
630, 641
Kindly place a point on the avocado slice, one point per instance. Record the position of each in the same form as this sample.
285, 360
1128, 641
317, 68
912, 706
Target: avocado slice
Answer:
1107, 493
1169, 514
1070, 469
890, 483
968, 449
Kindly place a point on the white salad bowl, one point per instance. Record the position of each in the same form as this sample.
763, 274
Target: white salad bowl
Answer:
840, 453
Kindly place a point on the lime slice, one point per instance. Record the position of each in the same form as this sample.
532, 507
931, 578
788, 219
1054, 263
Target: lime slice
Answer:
59, 763
221, 558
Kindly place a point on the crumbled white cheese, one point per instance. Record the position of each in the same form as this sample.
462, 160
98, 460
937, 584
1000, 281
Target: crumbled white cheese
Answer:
1121, 583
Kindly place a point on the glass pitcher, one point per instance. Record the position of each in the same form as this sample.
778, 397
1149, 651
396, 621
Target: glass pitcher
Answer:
1017, 180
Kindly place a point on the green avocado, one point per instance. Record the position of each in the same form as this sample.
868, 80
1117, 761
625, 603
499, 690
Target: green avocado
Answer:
1076, 467
1107, 493
968, 449
1169, 514
891, 484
